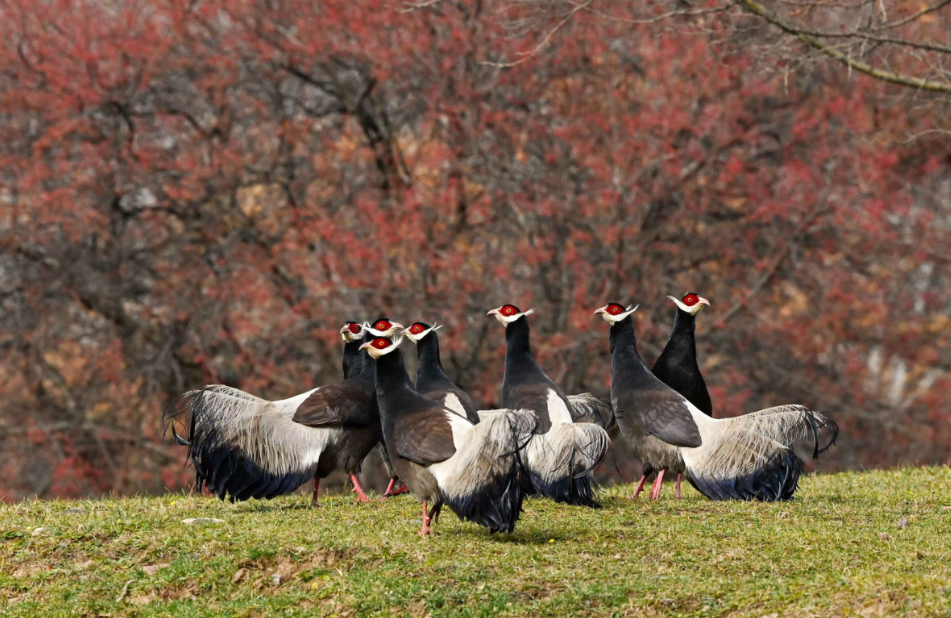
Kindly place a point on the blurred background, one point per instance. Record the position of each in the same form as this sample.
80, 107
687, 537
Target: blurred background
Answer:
203, 192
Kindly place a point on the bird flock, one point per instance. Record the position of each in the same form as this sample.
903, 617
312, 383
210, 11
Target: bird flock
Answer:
481, 464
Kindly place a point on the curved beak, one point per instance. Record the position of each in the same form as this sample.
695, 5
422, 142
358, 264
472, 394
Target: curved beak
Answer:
703, 301
365, 346
600, 311
493, 312
397, 326
404, 332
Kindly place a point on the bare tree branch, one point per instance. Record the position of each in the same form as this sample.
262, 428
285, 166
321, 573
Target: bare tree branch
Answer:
547, 39
862, 67
911, 18
659, 18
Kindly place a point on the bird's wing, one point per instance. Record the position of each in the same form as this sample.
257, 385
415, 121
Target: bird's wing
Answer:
348, 403
661, 412
456, 400
426, 437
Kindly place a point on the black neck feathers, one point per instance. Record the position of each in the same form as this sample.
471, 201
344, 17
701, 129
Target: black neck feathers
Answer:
367, 370
677, 365
684, 325
353, 358
518, 351
391, 372
430, 374
626, 361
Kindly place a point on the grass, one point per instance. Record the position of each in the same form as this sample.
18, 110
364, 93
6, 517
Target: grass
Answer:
868, 544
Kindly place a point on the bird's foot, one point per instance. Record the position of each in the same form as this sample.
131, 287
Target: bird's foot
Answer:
425, 530
390, 492
640, 488
677, 493
658, 485
361, 496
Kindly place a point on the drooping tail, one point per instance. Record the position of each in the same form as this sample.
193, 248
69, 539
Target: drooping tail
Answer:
758, 456
590, 408
243, 446
808, 433
480, 483
560, 462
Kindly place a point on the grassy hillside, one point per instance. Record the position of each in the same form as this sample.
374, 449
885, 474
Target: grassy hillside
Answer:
876, 543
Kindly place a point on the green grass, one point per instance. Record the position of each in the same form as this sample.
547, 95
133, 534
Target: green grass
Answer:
838, 549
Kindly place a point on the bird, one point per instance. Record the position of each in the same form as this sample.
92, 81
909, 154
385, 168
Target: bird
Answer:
677, 364
757, 456
431, 378
383, 327
444, 458
563, 452
245, 447
352, 334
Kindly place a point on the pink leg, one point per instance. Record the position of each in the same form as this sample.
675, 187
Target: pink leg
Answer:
677, 494
361, 497
640, 487
425, 529
658, 484
313, 501
389, 489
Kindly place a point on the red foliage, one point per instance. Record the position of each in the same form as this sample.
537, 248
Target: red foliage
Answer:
204, 192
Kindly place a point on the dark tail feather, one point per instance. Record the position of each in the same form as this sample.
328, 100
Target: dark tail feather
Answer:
220, 466
818, 427
497, 502
577, 490
775, 481
496, 505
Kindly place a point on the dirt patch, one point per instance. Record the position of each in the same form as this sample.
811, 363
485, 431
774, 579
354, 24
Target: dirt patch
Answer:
274, 571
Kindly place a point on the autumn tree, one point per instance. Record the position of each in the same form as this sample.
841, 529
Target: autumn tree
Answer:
203, 192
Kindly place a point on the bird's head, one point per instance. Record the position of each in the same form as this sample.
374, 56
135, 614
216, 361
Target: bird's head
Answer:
418, 330
381, 346
691, 303
614, 312
352, 331
506, 314
383, 327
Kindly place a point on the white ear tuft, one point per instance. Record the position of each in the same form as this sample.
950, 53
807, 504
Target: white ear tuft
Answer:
529, 312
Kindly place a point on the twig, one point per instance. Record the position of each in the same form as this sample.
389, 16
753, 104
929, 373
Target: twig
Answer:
544, 43
910, 18
862, 67
125, 591
774, 265
918, 136
410, 6
659, 18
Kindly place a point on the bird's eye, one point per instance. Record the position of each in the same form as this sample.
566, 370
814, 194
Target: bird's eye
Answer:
691, 299
382, 325
381, 344
508, 310
354, 328
615, 309
417, 329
